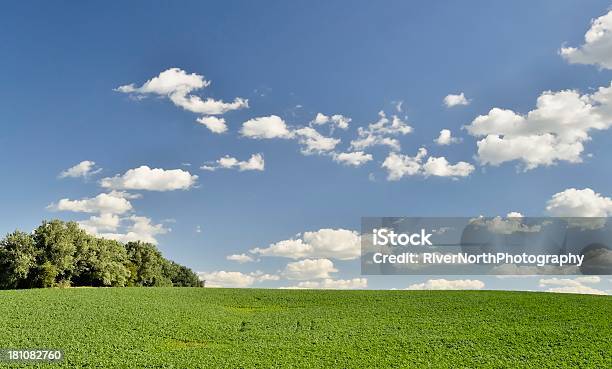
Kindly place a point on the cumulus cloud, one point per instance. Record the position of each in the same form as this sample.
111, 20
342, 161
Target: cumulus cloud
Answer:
579, 203
271, 126
399, 165
83, 169
114, 202
440, 167
335, 120
578, 289
514, 214
597, 47
335, 284
315, 143
127, 229
455, 100
105, 222
355, 158
445, 284
554, 131
226, 279
255, 162
145, 178
214, 124
569, 285
240, 258
382, 132
309, 269
178, 86
140, 229
446, 138
339, 244
512, 224
223, 278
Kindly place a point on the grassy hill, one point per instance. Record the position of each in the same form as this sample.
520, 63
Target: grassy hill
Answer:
218, 328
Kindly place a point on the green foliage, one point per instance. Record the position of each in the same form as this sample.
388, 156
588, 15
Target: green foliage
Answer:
258, 328
57, 243
180, 275
60, 254
148, 265
17, 260
103, 263
47, 274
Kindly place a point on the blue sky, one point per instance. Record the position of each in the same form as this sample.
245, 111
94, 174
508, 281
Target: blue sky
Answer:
59, 105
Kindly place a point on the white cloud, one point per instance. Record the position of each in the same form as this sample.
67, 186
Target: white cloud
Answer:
514, 214
335, 284
569, 282
262, 277
114, 202
575, 285
579, 203
381, 132
178, 86
240, 258
578, 289
271, 126
106, 222
336, 120
315, 143
555, 131
83, 169
255, 162
398, 166
141, 229
446, 138
597, 47
145, 178
588, 279
509, 225
398, 106
455, 100
444, 284
339, 244
440, 167
227, 279
223, 278
294, 248
355, 158
309, 269
214, 124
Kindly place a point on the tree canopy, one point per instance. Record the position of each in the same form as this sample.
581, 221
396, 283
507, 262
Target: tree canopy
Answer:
61, 254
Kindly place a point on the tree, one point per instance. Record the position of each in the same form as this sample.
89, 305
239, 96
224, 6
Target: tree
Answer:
180, 275
102, 263
17, 260
57, 243
61, 254
146, 265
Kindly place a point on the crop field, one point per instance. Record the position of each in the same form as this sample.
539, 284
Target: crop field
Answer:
230, 328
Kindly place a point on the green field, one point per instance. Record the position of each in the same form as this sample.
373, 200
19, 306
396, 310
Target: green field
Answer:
218, 328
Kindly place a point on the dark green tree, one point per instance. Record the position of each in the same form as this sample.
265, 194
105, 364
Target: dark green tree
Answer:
57, 243
146, 265
102, 263
17, 260
61, 254
180, 275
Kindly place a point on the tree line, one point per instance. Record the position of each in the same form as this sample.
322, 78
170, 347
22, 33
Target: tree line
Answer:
61, 254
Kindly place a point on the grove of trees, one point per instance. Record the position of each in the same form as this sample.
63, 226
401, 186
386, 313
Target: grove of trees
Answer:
61, 254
